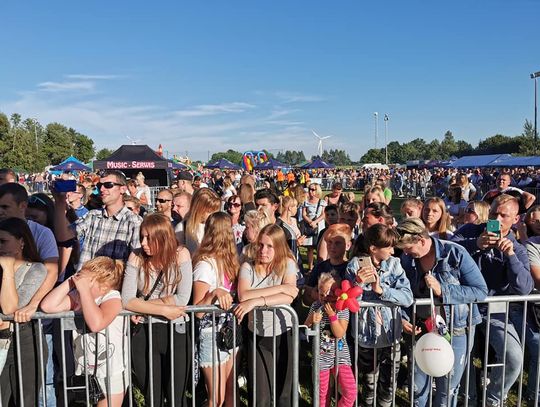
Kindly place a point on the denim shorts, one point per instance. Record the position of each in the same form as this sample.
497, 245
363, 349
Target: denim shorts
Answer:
207, 345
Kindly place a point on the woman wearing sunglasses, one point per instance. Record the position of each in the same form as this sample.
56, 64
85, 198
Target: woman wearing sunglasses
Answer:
234, 208
313, 216
476, 212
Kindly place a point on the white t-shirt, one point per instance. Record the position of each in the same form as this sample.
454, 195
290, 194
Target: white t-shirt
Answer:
207, 271
191, 244
45, 241
533, 250
116, 347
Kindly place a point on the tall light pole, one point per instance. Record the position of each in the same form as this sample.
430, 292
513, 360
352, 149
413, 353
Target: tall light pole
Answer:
386, 118
376, 115
35, 122
535, 77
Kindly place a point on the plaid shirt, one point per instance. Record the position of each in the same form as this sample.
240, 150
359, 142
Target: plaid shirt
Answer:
112, 236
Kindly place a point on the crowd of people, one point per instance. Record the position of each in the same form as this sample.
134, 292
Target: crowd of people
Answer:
246, 243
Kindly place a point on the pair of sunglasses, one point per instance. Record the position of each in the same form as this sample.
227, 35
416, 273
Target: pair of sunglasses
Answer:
236, 205
108, 185
36, 200
162, 201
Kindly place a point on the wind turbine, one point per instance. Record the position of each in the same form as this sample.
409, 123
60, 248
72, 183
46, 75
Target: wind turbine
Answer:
319, 145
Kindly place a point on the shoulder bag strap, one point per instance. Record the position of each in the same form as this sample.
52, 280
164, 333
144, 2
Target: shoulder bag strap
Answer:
158, 279
317, 210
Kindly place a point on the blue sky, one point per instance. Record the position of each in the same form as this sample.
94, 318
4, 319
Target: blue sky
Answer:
205, 76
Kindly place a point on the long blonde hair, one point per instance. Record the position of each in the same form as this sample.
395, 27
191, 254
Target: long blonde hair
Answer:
164, 247
285, 203
219, 244
204, 202
443, 224
282, 252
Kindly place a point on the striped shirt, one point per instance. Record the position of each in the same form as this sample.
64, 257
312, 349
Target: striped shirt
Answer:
327, 354
112, 236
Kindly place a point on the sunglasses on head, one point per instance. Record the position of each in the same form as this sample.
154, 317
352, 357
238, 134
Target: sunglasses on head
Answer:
161, 200
108, 185
36, 200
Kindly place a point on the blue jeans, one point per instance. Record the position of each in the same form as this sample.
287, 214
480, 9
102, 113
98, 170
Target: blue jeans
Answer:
422, 382
532, 341
512, 359
49, 376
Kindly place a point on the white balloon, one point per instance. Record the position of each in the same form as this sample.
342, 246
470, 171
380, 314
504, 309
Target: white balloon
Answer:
434, 355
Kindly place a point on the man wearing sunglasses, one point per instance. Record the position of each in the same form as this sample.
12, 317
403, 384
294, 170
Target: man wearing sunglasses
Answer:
13, 204
164, 205
111, 231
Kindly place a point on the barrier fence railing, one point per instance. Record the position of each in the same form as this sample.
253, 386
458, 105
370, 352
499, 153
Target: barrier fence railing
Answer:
502, 315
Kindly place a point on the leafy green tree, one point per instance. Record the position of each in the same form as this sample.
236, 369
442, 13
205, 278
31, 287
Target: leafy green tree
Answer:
231, 155
58, 143
526, 139
103, 153
373, 155
5, 126
336, 157
448, 146
497, 144
291, 157
83, 146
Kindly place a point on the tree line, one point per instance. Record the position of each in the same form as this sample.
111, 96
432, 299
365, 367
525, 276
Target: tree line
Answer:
419, 149
27, 145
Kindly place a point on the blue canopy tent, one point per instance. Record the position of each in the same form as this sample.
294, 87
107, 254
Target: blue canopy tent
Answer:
178, 165
70, 164
271, 164
530, 161
473, 161
223, 164
318, 163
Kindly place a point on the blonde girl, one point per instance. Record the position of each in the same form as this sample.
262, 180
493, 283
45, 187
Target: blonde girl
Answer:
255, 221
436, 218
214, 282
269, 280
190, 232
411, 208
94, 292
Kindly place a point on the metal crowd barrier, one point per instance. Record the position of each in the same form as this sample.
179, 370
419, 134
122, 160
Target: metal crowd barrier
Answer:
67, 322
406, 397
407, 359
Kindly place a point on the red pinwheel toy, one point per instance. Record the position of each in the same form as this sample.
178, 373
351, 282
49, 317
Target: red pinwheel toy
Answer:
346, 296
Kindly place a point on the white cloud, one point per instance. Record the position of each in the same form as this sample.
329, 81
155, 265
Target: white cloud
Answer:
213, 127
66, 86
209, 110
291, 97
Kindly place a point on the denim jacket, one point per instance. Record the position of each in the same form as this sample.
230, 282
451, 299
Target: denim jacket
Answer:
460, 279
377, 326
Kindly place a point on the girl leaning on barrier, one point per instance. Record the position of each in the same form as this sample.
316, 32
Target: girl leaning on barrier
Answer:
215, 273
22, 275
269, 280
158, 282
447, 269
94, 292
